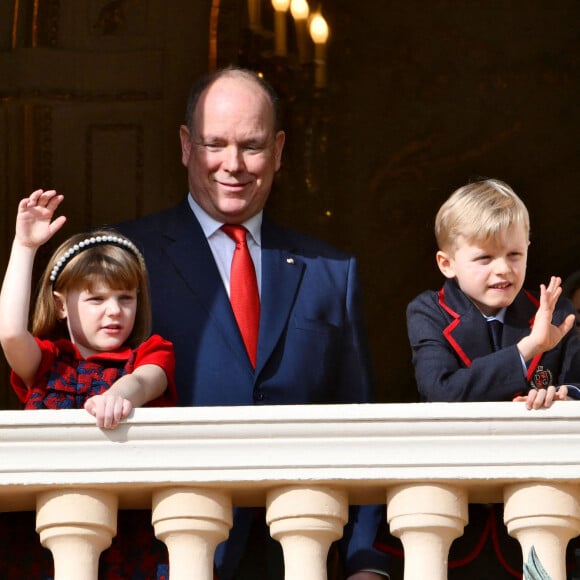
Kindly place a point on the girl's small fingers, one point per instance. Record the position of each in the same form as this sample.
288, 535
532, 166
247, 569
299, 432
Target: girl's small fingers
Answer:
24, 203
47, 197
54, 201
36, 194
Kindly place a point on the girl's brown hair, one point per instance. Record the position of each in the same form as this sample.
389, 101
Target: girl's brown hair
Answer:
79, 264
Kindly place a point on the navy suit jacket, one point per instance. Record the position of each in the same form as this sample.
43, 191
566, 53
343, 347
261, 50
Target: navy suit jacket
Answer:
453, 355
311, 346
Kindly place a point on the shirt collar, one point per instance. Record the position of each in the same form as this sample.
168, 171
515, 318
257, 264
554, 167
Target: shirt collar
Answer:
210, 226
500, 315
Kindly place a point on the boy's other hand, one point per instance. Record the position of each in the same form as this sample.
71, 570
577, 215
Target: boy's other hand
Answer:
538, 398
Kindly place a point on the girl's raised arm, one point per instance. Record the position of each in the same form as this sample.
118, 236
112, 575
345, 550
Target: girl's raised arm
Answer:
34, 227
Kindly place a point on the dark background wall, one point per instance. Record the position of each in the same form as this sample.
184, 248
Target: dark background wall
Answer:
422, 96
440, 93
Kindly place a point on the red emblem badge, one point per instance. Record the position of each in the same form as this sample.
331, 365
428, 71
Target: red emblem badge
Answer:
542, 378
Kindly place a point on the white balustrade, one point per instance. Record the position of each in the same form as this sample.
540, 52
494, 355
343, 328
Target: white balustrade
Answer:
427, 517
305, 464
76, 525
191, 522
306, 520
544, 515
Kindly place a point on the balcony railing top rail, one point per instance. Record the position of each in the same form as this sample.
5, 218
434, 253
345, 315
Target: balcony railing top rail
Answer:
247, 450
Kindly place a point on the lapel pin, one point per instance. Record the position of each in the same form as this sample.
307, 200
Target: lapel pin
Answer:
289, 260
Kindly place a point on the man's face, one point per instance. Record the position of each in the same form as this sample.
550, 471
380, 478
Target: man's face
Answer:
490, 272
234, 152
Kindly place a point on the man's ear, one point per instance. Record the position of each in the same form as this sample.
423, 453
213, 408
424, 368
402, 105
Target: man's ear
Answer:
445, 263
186, 145
278, 147
60, 305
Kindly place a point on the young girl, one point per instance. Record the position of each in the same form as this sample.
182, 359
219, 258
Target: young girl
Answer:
88, 346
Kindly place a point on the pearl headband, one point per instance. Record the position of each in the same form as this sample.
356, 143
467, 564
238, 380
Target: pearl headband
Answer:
88, 243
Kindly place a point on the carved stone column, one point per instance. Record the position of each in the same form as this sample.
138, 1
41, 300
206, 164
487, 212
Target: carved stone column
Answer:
545, 516
76, 526
191, 522
306, 520
427, 518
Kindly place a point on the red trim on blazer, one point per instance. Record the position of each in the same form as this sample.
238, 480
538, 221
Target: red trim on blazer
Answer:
466, 360
447, 331
489, 530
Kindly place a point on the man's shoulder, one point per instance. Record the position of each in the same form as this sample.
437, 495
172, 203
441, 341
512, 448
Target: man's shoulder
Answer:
166, 223
309, 245
153, 220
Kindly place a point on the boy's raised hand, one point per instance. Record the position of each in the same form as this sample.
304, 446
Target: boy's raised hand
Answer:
545, 335
34, 220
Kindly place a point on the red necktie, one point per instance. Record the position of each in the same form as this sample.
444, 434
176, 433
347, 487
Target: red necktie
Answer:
244, 295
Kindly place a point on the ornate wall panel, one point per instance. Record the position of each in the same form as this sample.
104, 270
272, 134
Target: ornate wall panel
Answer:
92, 94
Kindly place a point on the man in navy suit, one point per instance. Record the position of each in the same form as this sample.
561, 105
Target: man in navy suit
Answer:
311, 342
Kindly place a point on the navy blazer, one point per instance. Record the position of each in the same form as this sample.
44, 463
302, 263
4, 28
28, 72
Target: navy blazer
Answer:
453, 355
311, 347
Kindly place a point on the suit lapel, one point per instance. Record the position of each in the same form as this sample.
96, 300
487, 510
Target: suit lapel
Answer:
188, 250
282, 271
468, 334
519, 319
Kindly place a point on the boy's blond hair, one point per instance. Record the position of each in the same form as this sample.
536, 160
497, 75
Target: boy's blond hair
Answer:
479, 211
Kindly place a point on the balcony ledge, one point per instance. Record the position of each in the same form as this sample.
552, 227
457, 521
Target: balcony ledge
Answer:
248, 450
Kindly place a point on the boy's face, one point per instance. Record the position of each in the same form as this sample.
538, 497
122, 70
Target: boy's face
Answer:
490, 273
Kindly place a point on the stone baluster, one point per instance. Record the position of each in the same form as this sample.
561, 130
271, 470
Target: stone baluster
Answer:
76, 526
191, 522
545, 516
426, 518
306, 520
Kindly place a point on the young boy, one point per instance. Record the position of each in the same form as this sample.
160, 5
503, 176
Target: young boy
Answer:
482, 232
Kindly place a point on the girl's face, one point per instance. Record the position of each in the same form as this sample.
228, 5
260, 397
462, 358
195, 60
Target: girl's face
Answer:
99, 320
